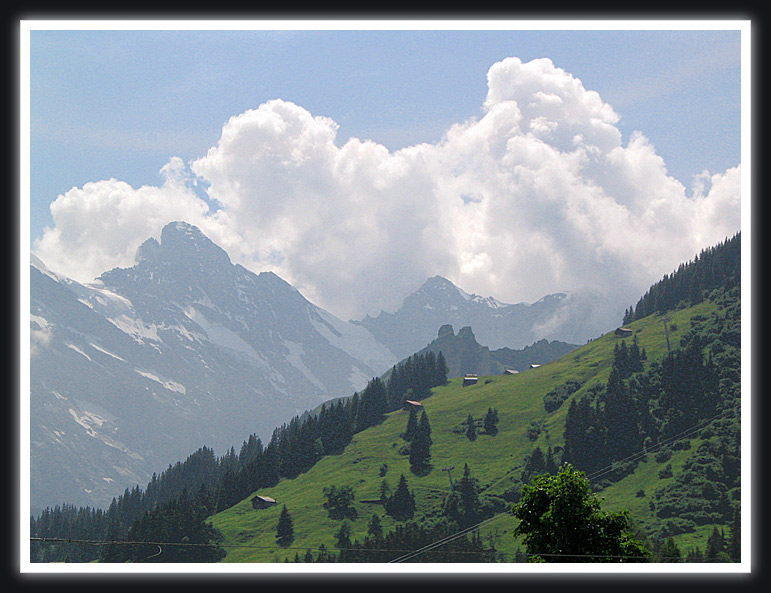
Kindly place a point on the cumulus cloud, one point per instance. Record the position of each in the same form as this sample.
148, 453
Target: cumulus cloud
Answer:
537, 195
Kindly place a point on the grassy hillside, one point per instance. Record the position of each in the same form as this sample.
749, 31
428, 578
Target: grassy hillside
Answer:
495, 460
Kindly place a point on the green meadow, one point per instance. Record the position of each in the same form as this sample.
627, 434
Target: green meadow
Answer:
495, 460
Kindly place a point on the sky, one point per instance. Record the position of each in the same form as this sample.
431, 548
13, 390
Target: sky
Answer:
356, 164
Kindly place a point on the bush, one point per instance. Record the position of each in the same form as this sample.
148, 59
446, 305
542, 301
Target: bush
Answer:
534, 429
666, 472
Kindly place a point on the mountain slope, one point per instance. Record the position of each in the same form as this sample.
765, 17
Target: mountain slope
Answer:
463, 354
496, 460
439, 302
138, 369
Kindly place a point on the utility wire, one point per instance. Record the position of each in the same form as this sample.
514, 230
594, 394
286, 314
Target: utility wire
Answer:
430, 547
595, 474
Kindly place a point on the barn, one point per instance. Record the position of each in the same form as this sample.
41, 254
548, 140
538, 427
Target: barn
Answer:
470, 379
262, 502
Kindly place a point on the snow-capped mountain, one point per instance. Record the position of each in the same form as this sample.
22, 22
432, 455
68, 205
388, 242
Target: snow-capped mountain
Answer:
140, 368
495, 324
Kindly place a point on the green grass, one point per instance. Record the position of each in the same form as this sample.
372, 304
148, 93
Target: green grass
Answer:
494, 460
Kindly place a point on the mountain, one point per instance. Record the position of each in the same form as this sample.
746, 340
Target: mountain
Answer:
439, 302
652, 416
139, 368
463, 354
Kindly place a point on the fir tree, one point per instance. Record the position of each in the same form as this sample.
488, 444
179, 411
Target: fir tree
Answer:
420, 449
285, 528
669, 552
491, 421
375, 527
401, 505
412, 424
471, 429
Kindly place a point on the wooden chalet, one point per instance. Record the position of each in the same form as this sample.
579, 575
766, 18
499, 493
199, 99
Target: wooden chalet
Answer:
408, 403
262, 502
622, 331
470, 379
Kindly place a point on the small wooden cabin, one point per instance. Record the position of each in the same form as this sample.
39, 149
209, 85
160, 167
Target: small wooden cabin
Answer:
510, 372
470, 379
262, 502
622, 331
408, 403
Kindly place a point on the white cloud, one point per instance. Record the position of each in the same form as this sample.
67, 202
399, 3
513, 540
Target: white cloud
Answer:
537, 195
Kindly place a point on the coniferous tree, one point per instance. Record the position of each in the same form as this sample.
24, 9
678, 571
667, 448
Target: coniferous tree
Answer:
471, 429
343, 535
550, 467
716, 549
670, 552
468, 493
735, 541
412, 424
375, 527
491, 421
441, 370
401, 505
285, 528
420, 449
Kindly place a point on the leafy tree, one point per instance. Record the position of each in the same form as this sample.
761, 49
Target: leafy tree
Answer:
340, 502
561, 521
285, 528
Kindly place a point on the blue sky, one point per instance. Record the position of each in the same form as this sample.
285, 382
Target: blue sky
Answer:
120, 103
355, 163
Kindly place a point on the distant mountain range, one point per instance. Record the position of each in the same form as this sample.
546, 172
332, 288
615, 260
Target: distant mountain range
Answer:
133, 371
463, 354
184, 349
439, 302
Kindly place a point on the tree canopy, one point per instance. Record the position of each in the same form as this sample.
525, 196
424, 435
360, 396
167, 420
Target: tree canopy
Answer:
561, 521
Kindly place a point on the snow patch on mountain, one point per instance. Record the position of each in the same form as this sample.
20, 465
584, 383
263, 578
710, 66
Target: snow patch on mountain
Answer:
78, 350
170, 385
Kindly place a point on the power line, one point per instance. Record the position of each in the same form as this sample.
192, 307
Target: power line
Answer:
428, 548
595, 474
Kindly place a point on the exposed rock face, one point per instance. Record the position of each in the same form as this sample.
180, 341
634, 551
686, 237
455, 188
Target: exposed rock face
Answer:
439, 302
142, 367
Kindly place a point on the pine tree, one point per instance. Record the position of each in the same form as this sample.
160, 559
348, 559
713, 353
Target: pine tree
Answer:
471, 429
375, 527
715, 550
670, 552
343, 536
401, 505
412, 424
735, 541
491, 421
468, 492
441, 370
285, 528
550, 467
420, 449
